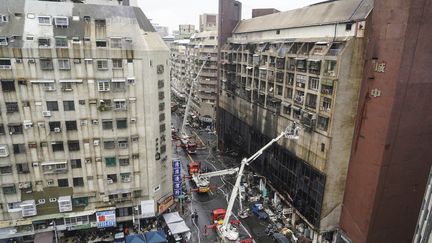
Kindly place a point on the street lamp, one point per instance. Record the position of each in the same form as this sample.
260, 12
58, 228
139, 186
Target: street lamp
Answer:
55, 230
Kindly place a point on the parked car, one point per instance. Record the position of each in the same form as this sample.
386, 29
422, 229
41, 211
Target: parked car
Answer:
258, 210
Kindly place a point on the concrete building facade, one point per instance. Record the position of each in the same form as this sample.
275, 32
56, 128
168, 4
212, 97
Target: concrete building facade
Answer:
207, 22
278, 69
84, 116
423, 232
391, 159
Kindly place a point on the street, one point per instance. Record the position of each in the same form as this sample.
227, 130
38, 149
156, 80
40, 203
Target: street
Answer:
204, 203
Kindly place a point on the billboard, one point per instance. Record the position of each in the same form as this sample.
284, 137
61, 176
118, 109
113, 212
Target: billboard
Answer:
177, 182
105, 219
148, 208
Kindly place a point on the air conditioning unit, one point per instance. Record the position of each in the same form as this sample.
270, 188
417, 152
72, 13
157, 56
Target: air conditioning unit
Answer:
110, 181
46, 113
88, 161
35, 164
50, 88
57, 129
95, 122
53, 199
28, 208
23, 185
133, 120
96, 142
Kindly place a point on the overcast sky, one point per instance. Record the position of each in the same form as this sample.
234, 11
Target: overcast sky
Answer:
171, 13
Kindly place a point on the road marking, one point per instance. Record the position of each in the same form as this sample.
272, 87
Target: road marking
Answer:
199, 138
190, 157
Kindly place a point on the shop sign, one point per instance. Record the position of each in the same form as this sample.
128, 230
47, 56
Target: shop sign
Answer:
165, 204
105, 219
148, 208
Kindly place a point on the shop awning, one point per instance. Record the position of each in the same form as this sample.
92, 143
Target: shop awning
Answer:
155, 237
178, 227
172, 217
135, 239
79, 214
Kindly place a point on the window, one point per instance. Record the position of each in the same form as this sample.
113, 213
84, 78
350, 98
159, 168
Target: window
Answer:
109, 144
101, 43
277, 32
78, 181
23, 168
119, 86
313, 83
44, 42
107, 124
71, 125
348, 26
61, 22
301, 81
102, 64
5, 64
68, 105
11, 107
120, 105
64, 64
287, 110
116, 43
44, 20
5, 170
55, 126
8, 85
46, 64
15, 128
330, 68
124, 161
299, 97
10, 189
110, 161
63, 182
103, 85
57, 146
121, 123
123, 143
73, 145
66, 86
161, 106
61, 42
315, 67
2, 129
52, 105
301, 65
112, 178
326, 104
75, 163
117, 63
160, 84
311, 101
323, 123
19, 148
3, 41
288, 93
125, 177
100, 22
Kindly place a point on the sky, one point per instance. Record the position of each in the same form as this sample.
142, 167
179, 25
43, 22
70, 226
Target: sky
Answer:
171, 13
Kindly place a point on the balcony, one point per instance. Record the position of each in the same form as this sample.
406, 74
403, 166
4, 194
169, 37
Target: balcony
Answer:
54, 167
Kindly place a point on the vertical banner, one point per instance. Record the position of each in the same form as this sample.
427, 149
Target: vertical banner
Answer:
177, 182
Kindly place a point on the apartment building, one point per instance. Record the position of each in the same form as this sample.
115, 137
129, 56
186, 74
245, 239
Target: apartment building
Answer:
178, 63
207, 22
187, 57
84, 117
185, 31
278, 69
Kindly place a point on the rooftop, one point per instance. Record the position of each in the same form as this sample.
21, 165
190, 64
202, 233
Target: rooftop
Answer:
329, 12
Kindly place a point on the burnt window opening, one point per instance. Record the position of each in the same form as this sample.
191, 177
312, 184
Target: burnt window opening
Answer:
348, 26
101, 43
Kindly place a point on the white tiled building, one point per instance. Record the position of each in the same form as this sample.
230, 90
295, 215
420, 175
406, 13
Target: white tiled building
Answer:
84, 114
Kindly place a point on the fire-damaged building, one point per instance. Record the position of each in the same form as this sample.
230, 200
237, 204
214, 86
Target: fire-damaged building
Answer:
303, 66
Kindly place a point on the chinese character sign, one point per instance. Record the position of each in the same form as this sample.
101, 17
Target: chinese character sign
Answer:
177, 182
106, 219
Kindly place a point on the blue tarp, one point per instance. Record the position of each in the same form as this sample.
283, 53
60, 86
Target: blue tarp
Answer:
135, 239
156, 236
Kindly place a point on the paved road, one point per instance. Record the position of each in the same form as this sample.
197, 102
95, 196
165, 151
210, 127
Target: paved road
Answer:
219, 195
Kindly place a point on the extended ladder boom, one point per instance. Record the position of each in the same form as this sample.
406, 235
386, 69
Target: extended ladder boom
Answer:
183, 131
219, 173
226, 228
